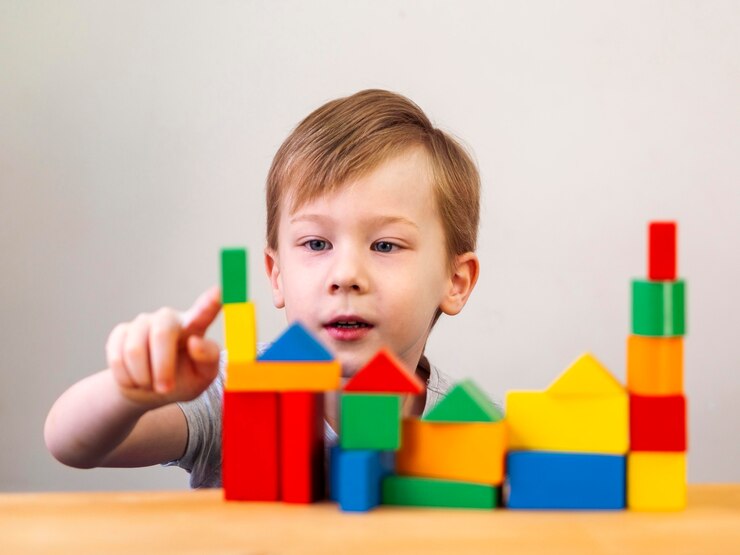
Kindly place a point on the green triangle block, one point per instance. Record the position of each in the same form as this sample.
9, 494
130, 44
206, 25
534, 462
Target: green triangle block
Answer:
465, 403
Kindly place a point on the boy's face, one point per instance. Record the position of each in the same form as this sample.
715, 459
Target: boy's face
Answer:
366, 266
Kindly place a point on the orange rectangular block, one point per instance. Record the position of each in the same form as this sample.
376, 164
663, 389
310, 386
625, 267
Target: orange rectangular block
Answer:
655, 365
466, 451
282, 376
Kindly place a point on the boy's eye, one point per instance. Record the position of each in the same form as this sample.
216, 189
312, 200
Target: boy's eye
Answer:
384, 246
317, 244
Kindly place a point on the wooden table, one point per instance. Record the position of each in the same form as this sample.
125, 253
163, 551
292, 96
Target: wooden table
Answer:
189, 522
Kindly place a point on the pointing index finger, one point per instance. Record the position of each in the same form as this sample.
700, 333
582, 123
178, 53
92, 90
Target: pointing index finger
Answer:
197, 318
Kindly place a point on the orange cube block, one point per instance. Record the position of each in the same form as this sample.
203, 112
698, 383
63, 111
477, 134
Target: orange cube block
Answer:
655, 365
466, 451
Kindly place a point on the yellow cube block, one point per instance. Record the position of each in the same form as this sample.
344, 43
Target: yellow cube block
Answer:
656, 481
584, 410
240, 332
283, 376
466, 451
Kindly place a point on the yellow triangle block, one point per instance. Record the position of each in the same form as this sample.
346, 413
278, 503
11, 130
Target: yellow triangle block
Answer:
586, 376
466, 451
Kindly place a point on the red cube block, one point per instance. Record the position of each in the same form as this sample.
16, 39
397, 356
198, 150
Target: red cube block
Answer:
250, 464
657, 423
302, 446
662, 251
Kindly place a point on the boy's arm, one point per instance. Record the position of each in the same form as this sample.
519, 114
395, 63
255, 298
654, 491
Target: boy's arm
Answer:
126, 415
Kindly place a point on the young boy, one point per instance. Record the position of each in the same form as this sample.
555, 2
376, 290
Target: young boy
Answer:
372, 219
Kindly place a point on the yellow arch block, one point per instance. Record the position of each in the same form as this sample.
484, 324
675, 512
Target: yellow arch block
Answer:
467, 451
585, 410
240, 332
282, 376
656, 481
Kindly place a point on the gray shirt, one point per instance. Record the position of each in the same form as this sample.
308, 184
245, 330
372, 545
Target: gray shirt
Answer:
202, 457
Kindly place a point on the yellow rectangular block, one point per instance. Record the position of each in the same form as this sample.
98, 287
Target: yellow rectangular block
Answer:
283, 376
240, 332
542, 422
466, 451
656, 481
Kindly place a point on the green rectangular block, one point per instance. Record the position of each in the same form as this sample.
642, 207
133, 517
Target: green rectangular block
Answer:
234, 276
370, 421
658, 308
413, 491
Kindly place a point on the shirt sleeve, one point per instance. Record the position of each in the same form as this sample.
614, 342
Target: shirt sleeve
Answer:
202, 457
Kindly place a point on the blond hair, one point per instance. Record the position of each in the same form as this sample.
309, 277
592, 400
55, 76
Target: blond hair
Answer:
350, 137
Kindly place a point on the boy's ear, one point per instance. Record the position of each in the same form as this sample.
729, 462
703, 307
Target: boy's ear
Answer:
272, 265
461, 284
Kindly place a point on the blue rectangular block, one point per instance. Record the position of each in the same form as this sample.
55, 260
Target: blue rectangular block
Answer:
355, 477
549, 480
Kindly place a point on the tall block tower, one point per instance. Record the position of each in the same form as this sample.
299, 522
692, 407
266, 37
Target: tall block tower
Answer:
656, 466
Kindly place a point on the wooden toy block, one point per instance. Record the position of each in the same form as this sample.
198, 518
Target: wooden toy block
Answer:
584, 410
234, 276
662, 251
250, 462
413, 491
296, 344
658, 308
547, 480
240, 332
387, 461
384, 373
283, 376
359, 477
657, 423
465, 403
585, 377
370, 421
302, 446
468, 452
655, 365
656, 481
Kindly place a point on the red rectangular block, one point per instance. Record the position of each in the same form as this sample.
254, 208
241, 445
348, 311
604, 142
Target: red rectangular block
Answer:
657, 423
250, 464
302, 446
662, 251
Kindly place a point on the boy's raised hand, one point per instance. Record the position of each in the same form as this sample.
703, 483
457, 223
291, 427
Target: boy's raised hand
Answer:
163, 357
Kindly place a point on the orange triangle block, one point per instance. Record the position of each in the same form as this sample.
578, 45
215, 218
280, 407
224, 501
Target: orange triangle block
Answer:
384, 373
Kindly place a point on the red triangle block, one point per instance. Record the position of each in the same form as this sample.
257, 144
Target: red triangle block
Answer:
384, 373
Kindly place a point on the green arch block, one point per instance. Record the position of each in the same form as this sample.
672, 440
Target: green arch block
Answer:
658, 308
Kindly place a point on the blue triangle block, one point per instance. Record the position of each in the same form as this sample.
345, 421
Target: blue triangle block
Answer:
296, 344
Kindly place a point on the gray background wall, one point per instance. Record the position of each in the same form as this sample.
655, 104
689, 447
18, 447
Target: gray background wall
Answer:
135, 138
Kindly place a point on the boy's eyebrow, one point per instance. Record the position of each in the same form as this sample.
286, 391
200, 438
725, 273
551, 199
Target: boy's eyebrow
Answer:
380, 220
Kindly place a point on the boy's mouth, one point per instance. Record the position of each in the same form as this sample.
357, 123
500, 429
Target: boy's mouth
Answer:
347, 328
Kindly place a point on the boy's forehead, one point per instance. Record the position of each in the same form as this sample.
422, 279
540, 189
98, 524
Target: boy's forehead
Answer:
409, 169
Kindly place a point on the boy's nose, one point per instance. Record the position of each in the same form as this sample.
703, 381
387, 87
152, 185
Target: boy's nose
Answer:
347, 276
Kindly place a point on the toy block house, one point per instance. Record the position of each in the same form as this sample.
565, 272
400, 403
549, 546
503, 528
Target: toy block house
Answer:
452, 457
569, 442
656, 467
273, 436
370, 426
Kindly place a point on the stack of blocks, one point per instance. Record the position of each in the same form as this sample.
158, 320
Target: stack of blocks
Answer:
585, 442
657, 460
273, 435
569, 443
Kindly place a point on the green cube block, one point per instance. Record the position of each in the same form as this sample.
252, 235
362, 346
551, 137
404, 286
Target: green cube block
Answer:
413, 491
370, 421
234, 276
658, 308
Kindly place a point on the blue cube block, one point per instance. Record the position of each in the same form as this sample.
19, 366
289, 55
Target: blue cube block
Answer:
549, 480
355, 477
